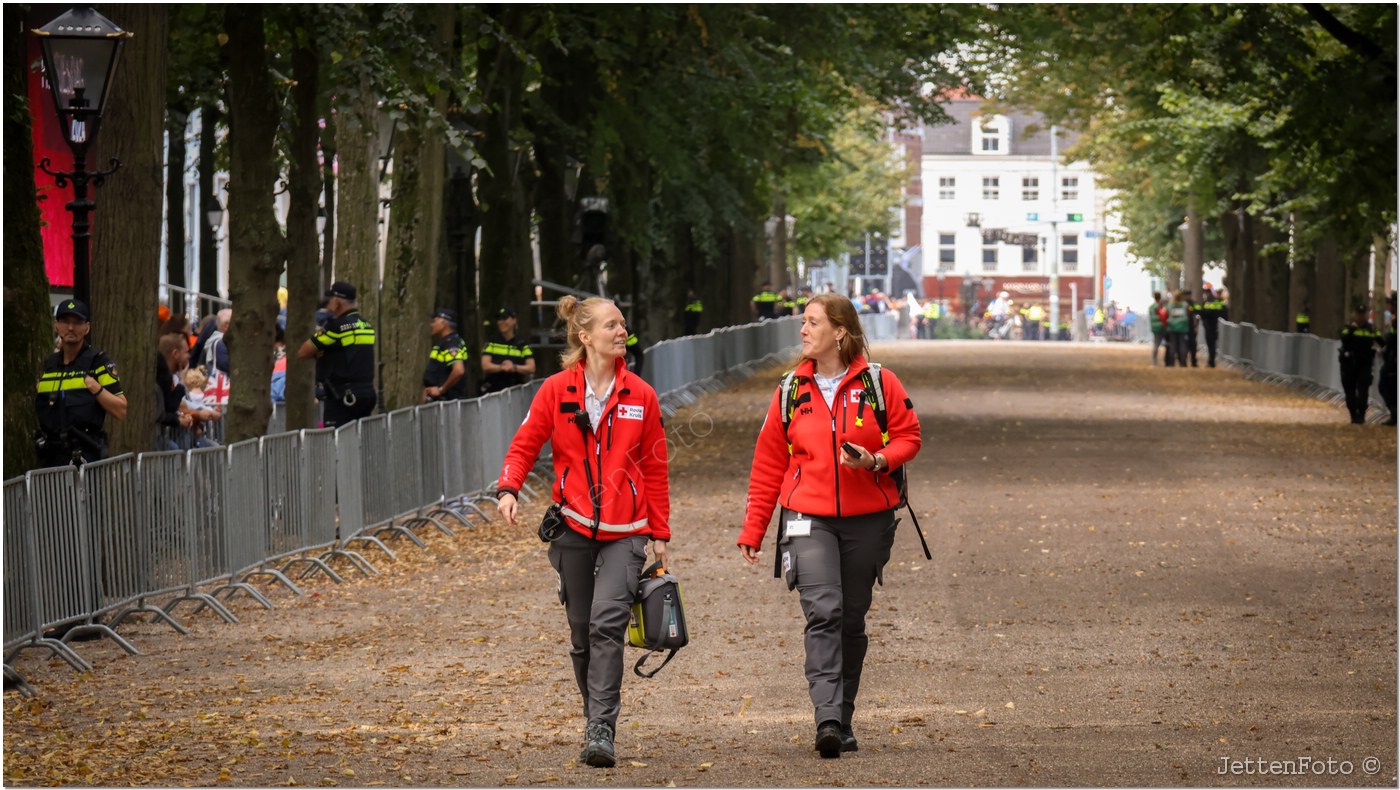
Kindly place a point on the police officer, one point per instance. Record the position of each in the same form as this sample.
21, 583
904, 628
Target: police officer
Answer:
765, 302
1212, 310
694, 311
506, 359
445, 377
77, 388
1303, 322
1357, 356
799, 305
345, 346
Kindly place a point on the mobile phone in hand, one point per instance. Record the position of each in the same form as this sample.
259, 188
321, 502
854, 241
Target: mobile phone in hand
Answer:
850, 449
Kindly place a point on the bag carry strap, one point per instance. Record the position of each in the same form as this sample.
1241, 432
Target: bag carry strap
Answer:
637, 667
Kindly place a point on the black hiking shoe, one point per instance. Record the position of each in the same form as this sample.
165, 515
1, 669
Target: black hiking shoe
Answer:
598, 747
848, 739
829, 739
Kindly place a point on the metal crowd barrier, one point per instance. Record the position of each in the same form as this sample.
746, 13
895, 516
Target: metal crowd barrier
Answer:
1304, 361
189, 530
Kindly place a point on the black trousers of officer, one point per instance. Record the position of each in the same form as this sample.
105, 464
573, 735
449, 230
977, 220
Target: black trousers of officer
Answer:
597, 584
835, 570
337, 413
1356, 385
1212, 342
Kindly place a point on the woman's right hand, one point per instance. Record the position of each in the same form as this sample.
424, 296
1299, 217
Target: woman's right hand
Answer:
750, 554
506, 506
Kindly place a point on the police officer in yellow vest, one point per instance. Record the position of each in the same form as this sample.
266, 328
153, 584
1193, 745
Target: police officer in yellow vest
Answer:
506, 359
77, 389
694, 311
766, 302
345, 348
445, 377
1035, 316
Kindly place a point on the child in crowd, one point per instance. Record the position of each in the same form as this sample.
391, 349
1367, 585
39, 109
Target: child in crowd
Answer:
194, 403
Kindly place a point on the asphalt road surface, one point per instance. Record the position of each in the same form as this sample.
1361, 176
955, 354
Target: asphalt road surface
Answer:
1141, 576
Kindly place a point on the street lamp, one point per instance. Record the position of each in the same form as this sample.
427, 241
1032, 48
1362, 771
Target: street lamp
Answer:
80, 51
215, 217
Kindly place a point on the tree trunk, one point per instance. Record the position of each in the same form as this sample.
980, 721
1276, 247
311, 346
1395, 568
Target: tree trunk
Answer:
175, 262
506, 266
1238, 277
1357, 273
1300, 281
304, 185
415, 234
357, 190
208, 237
126, 234
1272, 300
28, 322
256, 246
743, 265
1329, 288
1192, 264
1380, 282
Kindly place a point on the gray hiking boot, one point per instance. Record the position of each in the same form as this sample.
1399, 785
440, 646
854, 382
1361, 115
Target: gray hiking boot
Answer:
598, 746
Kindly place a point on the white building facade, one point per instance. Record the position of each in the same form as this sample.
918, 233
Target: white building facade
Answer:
1002, 211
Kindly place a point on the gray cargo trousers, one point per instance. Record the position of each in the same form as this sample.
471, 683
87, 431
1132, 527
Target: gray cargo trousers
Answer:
835, 570
597, 584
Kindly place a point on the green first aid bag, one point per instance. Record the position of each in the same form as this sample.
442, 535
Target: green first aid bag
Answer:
658, 618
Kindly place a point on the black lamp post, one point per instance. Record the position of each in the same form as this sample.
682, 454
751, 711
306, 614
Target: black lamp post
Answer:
80, 52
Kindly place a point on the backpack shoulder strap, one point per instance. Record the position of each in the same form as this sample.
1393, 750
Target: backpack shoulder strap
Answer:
788, 404
874, 383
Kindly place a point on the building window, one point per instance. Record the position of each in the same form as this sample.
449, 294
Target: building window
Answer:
1030, 259
1069, 188
991, 188
1030, 189
989, 259
991, 135
947, 251
947, 188
1069, 251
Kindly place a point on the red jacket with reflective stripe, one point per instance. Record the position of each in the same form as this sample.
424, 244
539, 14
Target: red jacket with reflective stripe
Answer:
623, 457
810, 480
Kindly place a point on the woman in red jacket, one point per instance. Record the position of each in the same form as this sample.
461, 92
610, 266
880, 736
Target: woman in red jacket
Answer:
829, 467
611, 495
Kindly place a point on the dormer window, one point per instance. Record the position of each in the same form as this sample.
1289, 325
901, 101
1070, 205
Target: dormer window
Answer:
991, 135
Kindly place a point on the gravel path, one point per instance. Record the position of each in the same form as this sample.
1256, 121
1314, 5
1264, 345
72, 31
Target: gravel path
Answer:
1141, 576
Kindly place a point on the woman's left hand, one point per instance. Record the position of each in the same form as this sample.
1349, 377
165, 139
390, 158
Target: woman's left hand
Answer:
864, 461
658, 550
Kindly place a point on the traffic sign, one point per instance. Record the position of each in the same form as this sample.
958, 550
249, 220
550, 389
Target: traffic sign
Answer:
1074, 217
1032, 217
1091, 234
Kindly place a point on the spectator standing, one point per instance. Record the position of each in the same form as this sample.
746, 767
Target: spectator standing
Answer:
175, 423
278, 386
1129, 324
77, 388
837, 521
194, 404
1157, 322
694, 311
445, 377
346, 345
1357, 357
604, 425
210, 349
765, 302
1178, 329
506, 359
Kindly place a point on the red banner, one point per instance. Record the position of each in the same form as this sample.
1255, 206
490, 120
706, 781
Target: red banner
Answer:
57, 230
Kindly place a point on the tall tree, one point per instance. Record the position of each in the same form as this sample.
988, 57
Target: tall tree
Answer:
28, 322
415, 229
126, 236
304, 186
256, 247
